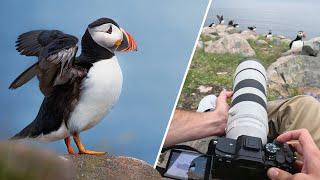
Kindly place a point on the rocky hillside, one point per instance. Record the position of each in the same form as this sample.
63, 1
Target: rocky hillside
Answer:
221, 48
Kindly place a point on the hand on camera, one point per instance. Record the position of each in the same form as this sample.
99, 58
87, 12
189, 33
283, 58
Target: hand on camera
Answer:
222, 109
310, 166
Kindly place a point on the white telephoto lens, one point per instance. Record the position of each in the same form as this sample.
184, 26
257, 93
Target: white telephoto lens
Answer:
248, 112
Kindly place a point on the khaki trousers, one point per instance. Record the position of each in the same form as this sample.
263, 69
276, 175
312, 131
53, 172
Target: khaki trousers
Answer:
295, 113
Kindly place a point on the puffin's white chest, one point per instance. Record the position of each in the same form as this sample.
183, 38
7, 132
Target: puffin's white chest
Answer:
297, 45
100, 91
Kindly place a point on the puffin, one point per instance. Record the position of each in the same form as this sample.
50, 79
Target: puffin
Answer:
220, 19
78, 90
297, 43
252, 28
269, 35
231, 23
212, 25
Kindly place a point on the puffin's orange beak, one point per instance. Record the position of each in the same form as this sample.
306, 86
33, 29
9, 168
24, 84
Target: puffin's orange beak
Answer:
304, 35
127, 43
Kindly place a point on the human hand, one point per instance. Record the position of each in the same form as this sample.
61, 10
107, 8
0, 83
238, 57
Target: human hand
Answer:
219, 116
222, 106
308, 149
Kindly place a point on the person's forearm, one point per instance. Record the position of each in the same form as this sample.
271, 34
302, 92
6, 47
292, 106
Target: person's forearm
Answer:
187, 126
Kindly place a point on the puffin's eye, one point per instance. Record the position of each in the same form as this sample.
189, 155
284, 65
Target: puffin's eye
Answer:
109, 30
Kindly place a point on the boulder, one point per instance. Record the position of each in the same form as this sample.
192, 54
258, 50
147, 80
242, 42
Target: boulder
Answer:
311, 47
232, 30
21, 161
209, 30
233, 44
247, 34
221, 28
297, 71
111, 167
216, 30
281, 37
207, 43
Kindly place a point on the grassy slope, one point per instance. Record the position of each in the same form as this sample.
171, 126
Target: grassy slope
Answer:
216, 70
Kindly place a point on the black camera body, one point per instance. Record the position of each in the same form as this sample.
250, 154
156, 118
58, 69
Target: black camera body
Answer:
245, 152
247, 158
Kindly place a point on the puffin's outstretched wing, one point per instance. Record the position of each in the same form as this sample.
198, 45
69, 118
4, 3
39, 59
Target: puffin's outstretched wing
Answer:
56, 53
219, 18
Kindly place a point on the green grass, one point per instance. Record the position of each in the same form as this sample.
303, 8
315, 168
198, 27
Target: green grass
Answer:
205, 70
269, 53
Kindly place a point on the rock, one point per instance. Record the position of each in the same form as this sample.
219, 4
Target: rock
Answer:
21, 161
199, 45
111, 167
207, 43
204, 89
221, 28
261, 42
297, 71
209, 30
246, 34
232, 30
281, 37
222, 73
212, 36
311, 47
221, 34
234, 44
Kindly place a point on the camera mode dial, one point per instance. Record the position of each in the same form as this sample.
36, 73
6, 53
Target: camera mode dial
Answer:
271, 149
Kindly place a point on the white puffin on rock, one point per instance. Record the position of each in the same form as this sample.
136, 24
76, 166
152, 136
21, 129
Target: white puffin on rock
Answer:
297, 44
79, 91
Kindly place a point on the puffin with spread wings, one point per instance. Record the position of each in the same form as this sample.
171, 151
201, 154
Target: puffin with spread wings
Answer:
78, 91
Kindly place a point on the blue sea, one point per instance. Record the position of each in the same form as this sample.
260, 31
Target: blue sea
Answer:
285, 17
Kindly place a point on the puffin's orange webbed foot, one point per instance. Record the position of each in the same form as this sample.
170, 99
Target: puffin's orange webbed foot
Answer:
69, 147
92, 152
81, 148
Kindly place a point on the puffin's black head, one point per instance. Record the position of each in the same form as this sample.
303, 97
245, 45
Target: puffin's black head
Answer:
301, 34
104, 36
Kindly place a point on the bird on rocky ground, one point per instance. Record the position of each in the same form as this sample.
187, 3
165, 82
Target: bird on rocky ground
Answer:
220, 19
212, 25
269, 35
252, 28
231, 23
78, 91
297, 43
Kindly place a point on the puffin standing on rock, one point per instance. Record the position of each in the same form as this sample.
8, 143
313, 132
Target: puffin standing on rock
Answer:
297, 44
269, 35
252, 28
79, 91
212, 25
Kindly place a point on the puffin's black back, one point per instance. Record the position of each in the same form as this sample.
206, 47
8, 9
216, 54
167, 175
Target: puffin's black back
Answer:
54, 111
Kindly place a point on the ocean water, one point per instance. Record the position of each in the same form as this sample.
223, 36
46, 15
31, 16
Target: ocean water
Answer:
285, 17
